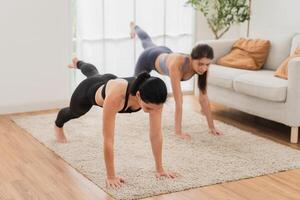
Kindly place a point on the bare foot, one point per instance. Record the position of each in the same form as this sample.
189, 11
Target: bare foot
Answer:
132, 30
74, 63
60, 135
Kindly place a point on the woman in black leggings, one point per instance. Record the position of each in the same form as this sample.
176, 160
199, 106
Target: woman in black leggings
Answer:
179, 67
123, 95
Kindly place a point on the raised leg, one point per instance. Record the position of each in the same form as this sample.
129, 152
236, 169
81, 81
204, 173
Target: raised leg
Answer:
79, 105
87, 69
142, 35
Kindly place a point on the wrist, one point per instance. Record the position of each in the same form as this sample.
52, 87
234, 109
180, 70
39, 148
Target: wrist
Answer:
178, 132
159, 167
159, 170
110, 175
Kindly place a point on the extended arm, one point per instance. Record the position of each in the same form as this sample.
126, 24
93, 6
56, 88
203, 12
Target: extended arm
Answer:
175, 77
156, 143
112, 104
205, 105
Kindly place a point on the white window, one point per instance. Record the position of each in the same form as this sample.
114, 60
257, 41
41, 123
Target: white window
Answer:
102, 32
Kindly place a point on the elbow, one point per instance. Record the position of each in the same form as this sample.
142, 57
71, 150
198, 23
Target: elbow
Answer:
179, 104
156, 136
203, 99
204, 103
108, 149
108, 144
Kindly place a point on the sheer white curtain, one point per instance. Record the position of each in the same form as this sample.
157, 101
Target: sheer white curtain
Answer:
102, 32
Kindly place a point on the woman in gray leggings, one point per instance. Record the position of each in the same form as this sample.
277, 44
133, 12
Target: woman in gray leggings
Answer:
179, 67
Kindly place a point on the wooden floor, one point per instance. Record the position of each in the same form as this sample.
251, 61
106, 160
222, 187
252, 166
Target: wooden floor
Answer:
28, 170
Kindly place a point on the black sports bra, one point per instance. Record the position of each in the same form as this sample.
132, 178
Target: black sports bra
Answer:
124, 110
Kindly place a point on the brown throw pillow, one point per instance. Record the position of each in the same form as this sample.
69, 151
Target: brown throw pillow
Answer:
246, 54
282, 70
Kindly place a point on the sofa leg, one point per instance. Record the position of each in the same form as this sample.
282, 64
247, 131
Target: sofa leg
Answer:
294, 134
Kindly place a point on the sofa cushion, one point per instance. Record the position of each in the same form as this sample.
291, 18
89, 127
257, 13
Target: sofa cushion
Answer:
295, 44
238, 58
262, 84
223, 76
282, 70
280, 50
247, 54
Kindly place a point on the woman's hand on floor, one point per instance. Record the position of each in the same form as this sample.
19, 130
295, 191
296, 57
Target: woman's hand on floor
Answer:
184, 136
115, 182
215, 131
166, 174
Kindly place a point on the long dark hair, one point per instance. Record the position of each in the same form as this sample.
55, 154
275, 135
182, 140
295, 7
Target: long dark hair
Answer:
198, 52
152, 89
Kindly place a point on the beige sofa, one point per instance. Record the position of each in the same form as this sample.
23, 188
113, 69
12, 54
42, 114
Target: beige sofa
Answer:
259, 92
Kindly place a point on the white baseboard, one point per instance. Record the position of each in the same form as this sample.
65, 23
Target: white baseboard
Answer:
33, 107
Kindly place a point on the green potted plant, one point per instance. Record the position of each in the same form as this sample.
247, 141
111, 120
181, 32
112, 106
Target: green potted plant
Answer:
221, 14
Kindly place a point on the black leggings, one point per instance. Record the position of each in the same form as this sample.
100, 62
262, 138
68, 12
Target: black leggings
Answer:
146, 61
83, 97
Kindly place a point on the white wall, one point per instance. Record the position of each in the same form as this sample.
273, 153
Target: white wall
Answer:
204, 33
35, 46
268, 18
275, 17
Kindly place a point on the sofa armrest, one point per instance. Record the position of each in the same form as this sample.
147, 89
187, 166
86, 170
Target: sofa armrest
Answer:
293, 92
221, 47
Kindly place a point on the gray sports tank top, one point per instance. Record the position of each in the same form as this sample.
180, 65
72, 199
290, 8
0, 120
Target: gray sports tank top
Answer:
164, 68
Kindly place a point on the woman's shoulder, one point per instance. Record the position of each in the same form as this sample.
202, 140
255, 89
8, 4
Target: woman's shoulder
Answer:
178, 57
176, 61
117, 88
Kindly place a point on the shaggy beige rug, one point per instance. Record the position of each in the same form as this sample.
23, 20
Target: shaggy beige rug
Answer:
204, 160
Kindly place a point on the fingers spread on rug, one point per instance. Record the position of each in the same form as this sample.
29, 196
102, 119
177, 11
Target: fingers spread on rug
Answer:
166, 174
115, 182
215, 131
184, 136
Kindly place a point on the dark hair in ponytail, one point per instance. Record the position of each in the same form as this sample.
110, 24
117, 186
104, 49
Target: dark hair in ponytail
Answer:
198, 52
152, 89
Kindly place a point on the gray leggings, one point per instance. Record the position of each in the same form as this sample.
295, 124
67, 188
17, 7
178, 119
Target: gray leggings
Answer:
146, 61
